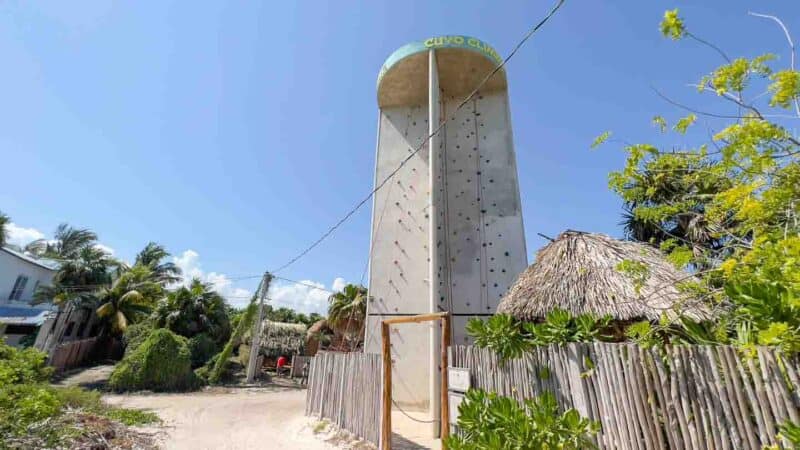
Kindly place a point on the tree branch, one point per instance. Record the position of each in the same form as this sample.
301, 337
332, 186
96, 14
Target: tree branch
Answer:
791, 47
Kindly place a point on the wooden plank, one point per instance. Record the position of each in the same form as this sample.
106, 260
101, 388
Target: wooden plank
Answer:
668, 422
741, 387
445, 399
416, 319
386, 410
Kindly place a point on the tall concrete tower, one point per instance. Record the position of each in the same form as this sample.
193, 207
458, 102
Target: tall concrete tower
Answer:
447, 231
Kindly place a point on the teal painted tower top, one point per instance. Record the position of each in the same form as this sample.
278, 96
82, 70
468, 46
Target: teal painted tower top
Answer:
455, 41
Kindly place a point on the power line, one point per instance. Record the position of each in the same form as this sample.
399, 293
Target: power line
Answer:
424, 142
301, 283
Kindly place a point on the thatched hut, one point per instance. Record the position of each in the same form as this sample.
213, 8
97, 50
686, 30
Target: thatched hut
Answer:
322, 336
277, 339
579, 272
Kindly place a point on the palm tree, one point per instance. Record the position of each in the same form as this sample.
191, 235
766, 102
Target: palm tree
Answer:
151, 256
189, 311
4, 219
131, 296
83, 266
347, 311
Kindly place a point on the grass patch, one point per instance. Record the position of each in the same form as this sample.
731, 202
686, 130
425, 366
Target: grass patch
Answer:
132, 417
320, 427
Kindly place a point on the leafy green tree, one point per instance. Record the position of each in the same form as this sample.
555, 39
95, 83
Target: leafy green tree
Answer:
152, 256
131, 296
189, 311
83, 266
726, 208
347, 311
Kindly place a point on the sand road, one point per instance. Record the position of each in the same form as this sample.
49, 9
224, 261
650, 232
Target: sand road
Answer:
240, 418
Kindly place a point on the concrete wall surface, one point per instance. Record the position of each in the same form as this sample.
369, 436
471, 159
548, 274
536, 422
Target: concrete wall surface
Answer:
447, 236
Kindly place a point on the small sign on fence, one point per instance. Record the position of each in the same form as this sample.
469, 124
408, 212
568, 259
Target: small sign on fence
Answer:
455, 400
458, 379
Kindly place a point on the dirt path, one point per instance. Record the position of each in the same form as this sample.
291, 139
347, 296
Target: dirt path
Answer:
230, 419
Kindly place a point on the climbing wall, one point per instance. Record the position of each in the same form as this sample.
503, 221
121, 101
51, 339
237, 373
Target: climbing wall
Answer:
446, 236
485, 244
398, 268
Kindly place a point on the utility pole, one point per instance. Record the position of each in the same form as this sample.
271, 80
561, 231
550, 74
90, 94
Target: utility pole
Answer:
255, 341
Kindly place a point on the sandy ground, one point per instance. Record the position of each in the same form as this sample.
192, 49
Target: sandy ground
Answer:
239, 418
267, 417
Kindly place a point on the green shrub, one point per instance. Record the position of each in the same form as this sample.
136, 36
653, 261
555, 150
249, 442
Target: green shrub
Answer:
202, 347
136, 334
488, 421
22, 405
131, 417
22, 366
502, 334
161, 363
510, 338
78, 398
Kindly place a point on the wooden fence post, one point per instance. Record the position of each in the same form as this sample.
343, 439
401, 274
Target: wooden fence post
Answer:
444, 430
386, 410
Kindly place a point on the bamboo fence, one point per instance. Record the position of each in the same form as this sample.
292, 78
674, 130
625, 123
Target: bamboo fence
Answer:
345, 388
688, 397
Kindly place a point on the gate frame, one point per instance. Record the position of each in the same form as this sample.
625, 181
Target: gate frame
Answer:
386, 410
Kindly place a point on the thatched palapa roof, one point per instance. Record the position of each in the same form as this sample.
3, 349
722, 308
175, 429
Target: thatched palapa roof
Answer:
279, 338
578, 272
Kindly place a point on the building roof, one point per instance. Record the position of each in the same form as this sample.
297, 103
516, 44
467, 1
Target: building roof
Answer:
44, 263
22, 315
578, 272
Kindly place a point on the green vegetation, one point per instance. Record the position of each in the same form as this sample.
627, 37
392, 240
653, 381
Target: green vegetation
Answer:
161, 363
202, 348
489, 421
510, 338
193, 310
347, 312
34, 414
725, 208
217, 372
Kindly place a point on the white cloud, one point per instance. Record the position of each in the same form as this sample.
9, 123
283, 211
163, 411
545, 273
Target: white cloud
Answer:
104, 248
304, 298
189, 263
22, 236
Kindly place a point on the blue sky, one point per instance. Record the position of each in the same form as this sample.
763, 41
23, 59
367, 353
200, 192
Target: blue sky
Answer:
235, 133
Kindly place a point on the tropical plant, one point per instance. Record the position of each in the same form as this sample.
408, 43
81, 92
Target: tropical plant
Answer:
152, 256
347, 311
35, 414
131, 296
489, 421
509, 338
502, 334
192, 310
83, 266
727, 208
161, 363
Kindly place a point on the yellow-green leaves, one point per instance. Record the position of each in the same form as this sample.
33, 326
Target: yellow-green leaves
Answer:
637, 271
672, 25
733, 77
785, 88
660, 122
599, 140
685, 123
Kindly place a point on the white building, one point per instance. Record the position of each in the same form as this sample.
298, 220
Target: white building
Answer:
447, 232
20, 276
